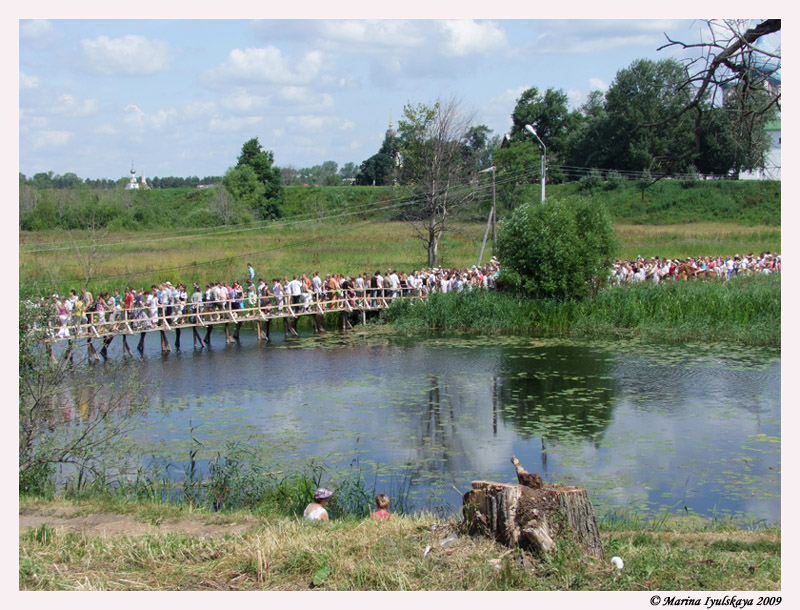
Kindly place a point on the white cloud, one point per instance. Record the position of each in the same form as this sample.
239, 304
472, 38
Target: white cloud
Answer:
305, 96
130, 55
106, 129
240, 101
198, 110
466, 37
307, 123
597, 84
69, 105
34, 29
345, 36
39, 122
596, 35
507, 98
267, 65
51, 139
28, 82
233, 123
141, 122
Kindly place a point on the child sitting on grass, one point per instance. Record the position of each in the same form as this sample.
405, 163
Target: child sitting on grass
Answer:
382, 502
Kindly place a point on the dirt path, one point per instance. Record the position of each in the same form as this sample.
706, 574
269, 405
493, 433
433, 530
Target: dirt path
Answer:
115, 524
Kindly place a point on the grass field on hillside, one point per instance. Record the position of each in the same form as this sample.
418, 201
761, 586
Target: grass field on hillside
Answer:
57, 261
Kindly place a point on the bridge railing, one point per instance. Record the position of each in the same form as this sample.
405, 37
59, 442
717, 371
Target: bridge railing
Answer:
129, 322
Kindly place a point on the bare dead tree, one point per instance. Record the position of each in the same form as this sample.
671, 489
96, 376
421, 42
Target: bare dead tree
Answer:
731, 57
731, 69
728, 69
433, 139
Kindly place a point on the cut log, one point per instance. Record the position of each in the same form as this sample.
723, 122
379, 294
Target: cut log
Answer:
533, 519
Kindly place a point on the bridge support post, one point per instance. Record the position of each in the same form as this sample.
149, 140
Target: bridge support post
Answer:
104, 350
177, 338
125, 348
236, 332
165, 348
140, 346
196, 337
207, 340
262, 334
92, 351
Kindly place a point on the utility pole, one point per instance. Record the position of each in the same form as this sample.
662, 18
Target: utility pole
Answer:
491, 223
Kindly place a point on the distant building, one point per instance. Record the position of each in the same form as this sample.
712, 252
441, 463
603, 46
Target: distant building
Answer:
767, 69
133, 185
772, 163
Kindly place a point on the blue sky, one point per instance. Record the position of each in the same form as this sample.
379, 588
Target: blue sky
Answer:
180, 97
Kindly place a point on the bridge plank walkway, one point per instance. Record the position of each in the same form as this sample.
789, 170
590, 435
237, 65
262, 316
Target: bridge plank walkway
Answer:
262, 317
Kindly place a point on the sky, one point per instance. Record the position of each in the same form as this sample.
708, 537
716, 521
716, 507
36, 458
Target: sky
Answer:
180, 97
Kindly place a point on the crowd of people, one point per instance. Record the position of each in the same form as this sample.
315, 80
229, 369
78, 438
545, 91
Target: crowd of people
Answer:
719, 267
143, 308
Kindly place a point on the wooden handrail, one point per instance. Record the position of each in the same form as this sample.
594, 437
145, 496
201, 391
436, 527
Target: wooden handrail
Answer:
126, 324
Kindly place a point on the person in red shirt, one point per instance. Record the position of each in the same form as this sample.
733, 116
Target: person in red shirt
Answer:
382, 502
128, 304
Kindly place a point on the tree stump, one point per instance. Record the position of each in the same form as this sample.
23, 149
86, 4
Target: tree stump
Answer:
533, 519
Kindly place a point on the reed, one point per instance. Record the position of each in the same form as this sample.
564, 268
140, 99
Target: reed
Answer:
745, 310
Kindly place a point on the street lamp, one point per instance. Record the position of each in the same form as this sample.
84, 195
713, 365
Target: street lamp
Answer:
544, 154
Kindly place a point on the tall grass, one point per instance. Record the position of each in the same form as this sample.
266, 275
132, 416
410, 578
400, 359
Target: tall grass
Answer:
746, 310
166, 550
235, 478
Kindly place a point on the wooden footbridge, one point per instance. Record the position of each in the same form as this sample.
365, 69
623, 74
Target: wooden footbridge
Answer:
202, 323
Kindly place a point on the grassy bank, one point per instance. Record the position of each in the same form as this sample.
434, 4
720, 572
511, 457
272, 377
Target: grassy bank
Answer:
744, 310
747, 202
106, 545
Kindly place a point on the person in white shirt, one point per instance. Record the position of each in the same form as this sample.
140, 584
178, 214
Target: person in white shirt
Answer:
295, 290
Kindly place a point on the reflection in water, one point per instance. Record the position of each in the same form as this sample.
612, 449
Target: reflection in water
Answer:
557, 391
639, 427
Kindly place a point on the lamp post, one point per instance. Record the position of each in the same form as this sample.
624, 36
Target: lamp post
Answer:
544, 154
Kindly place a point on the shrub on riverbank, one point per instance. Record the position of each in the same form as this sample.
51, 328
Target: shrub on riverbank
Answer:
746, 310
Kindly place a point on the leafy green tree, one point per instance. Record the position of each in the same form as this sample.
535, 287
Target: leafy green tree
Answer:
478, 148
556, 249
376, 171
381, 168
348, 171
586, 144
636, 103
254, 156
733, 138
550, 116
517, 166
245, 187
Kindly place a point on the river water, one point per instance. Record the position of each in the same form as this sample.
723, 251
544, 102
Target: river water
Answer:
691, 429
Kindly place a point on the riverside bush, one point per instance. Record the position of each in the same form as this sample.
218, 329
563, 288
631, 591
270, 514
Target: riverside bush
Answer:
555, 249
